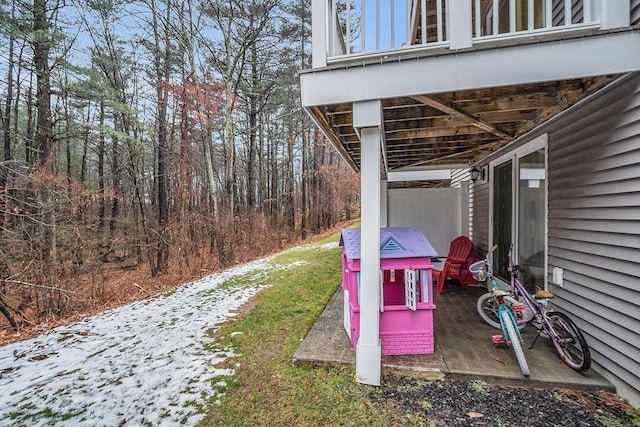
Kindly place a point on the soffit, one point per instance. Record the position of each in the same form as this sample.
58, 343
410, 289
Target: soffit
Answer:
453, 128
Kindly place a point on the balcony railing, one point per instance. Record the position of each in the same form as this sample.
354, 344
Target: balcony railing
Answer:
363, 27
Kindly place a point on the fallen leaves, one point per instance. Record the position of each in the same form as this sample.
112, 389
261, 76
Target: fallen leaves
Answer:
497, 359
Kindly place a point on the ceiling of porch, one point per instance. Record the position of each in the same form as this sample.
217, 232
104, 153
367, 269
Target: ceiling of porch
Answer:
451, 129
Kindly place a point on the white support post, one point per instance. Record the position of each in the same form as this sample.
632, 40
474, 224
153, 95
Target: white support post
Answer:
384, 203
615, 14
369, 350
319, 33
460, 23
367, 117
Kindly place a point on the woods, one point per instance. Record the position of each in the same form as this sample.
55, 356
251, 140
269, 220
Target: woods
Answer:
156, 136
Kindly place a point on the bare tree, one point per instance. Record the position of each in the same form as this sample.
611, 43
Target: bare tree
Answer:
161, 64
171, 138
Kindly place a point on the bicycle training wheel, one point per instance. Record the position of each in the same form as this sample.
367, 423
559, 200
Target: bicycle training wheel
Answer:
570, 343
514, 339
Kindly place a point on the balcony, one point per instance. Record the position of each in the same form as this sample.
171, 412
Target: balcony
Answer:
459, 79
362, 29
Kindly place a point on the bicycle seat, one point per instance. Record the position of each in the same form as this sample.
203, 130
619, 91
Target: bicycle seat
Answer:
542, 294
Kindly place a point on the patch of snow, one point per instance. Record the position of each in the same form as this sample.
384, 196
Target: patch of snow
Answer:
144, 363
327, 246
314, 246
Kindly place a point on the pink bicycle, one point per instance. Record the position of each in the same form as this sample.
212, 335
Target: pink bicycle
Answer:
536, 311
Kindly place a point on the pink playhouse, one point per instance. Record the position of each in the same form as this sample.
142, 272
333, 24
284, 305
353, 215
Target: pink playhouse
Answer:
406, 312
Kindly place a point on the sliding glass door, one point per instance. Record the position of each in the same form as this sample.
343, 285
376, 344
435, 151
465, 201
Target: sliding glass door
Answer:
532, 201
519, 210
502, 217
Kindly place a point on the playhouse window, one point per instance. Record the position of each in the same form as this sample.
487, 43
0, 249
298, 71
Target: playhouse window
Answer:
402, 287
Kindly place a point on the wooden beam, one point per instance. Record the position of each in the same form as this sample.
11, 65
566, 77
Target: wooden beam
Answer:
316, 113
567, 99
435, 132
488, 127
491, 146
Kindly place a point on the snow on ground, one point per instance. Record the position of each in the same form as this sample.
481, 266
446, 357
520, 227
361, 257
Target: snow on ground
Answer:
141, 364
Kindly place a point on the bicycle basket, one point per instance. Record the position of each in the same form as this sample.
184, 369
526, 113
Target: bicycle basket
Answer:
479, 270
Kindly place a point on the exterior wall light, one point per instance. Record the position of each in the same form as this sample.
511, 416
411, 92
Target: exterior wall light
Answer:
476, 173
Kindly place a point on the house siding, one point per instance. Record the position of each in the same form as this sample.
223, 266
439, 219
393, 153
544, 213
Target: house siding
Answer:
479, 199
635, 12
458, 176
594, 222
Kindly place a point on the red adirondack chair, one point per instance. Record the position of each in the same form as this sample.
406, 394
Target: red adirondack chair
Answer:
456, 266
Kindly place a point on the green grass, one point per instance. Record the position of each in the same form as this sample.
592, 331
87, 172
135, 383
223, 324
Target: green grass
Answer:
267, 388
634, 416
480, 387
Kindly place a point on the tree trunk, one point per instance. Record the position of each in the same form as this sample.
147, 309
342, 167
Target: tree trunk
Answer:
230, 155
85, 149
211, 177
253, 124
41, 45
6, 120
43, 90
162, 77
116, 182
101, 187
290, 187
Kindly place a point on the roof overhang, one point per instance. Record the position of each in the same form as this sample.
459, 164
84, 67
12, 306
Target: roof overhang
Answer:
446, 110
480, 67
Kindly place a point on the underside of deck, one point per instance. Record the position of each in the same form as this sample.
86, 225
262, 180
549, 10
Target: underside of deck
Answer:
449, 110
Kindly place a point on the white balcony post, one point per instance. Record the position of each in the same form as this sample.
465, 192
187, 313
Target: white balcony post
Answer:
319, 33
615, 14
384, 203
367, 119
460, 23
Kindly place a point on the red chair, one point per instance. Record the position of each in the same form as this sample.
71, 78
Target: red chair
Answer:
456, 266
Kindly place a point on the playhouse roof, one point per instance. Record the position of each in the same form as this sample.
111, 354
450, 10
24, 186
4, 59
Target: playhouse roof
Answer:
395, 242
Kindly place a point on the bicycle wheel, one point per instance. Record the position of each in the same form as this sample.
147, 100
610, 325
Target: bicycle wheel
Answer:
488, 309
514, 341
569, 342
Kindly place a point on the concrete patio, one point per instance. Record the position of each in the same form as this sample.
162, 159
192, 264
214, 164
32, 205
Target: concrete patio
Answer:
463, 348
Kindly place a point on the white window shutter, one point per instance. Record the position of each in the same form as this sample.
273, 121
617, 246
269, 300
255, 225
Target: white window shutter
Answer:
410, 294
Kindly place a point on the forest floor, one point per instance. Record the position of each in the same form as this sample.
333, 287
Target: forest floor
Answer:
119, 281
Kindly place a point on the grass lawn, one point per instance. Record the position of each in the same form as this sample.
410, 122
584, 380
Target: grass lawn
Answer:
267, 388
